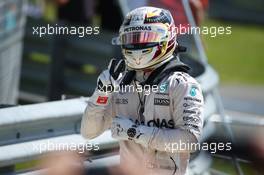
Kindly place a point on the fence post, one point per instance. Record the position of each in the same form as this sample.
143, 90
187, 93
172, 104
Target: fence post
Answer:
56, 77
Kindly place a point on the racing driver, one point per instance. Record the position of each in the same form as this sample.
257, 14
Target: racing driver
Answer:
151, 128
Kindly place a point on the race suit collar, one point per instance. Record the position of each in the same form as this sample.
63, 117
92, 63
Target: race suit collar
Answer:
174, 65
159, 73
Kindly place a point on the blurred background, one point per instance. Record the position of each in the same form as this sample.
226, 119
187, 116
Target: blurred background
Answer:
239, 51
37, 69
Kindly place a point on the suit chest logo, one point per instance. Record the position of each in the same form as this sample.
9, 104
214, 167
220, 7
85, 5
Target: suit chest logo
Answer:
161, 101
159, 123
121, 101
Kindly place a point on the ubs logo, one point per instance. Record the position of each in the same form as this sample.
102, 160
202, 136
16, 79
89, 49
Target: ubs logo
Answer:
121, 101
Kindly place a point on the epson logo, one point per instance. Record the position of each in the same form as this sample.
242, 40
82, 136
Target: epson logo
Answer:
136, 28
161, 101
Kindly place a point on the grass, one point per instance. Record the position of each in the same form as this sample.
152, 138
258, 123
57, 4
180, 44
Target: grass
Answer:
222, 165
237, 57
227, 167
26, 165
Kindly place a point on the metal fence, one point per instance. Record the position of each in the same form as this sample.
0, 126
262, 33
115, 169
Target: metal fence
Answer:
23, 129
55, 65
12, 21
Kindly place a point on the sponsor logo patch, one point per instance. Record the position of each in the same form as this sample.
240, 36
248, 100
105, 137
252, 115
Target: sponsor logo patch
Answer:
186, 105
163, 87
193, 91
189, 111
102, 100
161, 101
191, 119
121, 101
159, 123
192, 99
137, 28
191, 126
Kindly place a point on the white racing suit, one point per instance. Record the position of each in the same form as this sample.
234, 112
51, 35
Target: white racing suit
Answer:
175, 109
